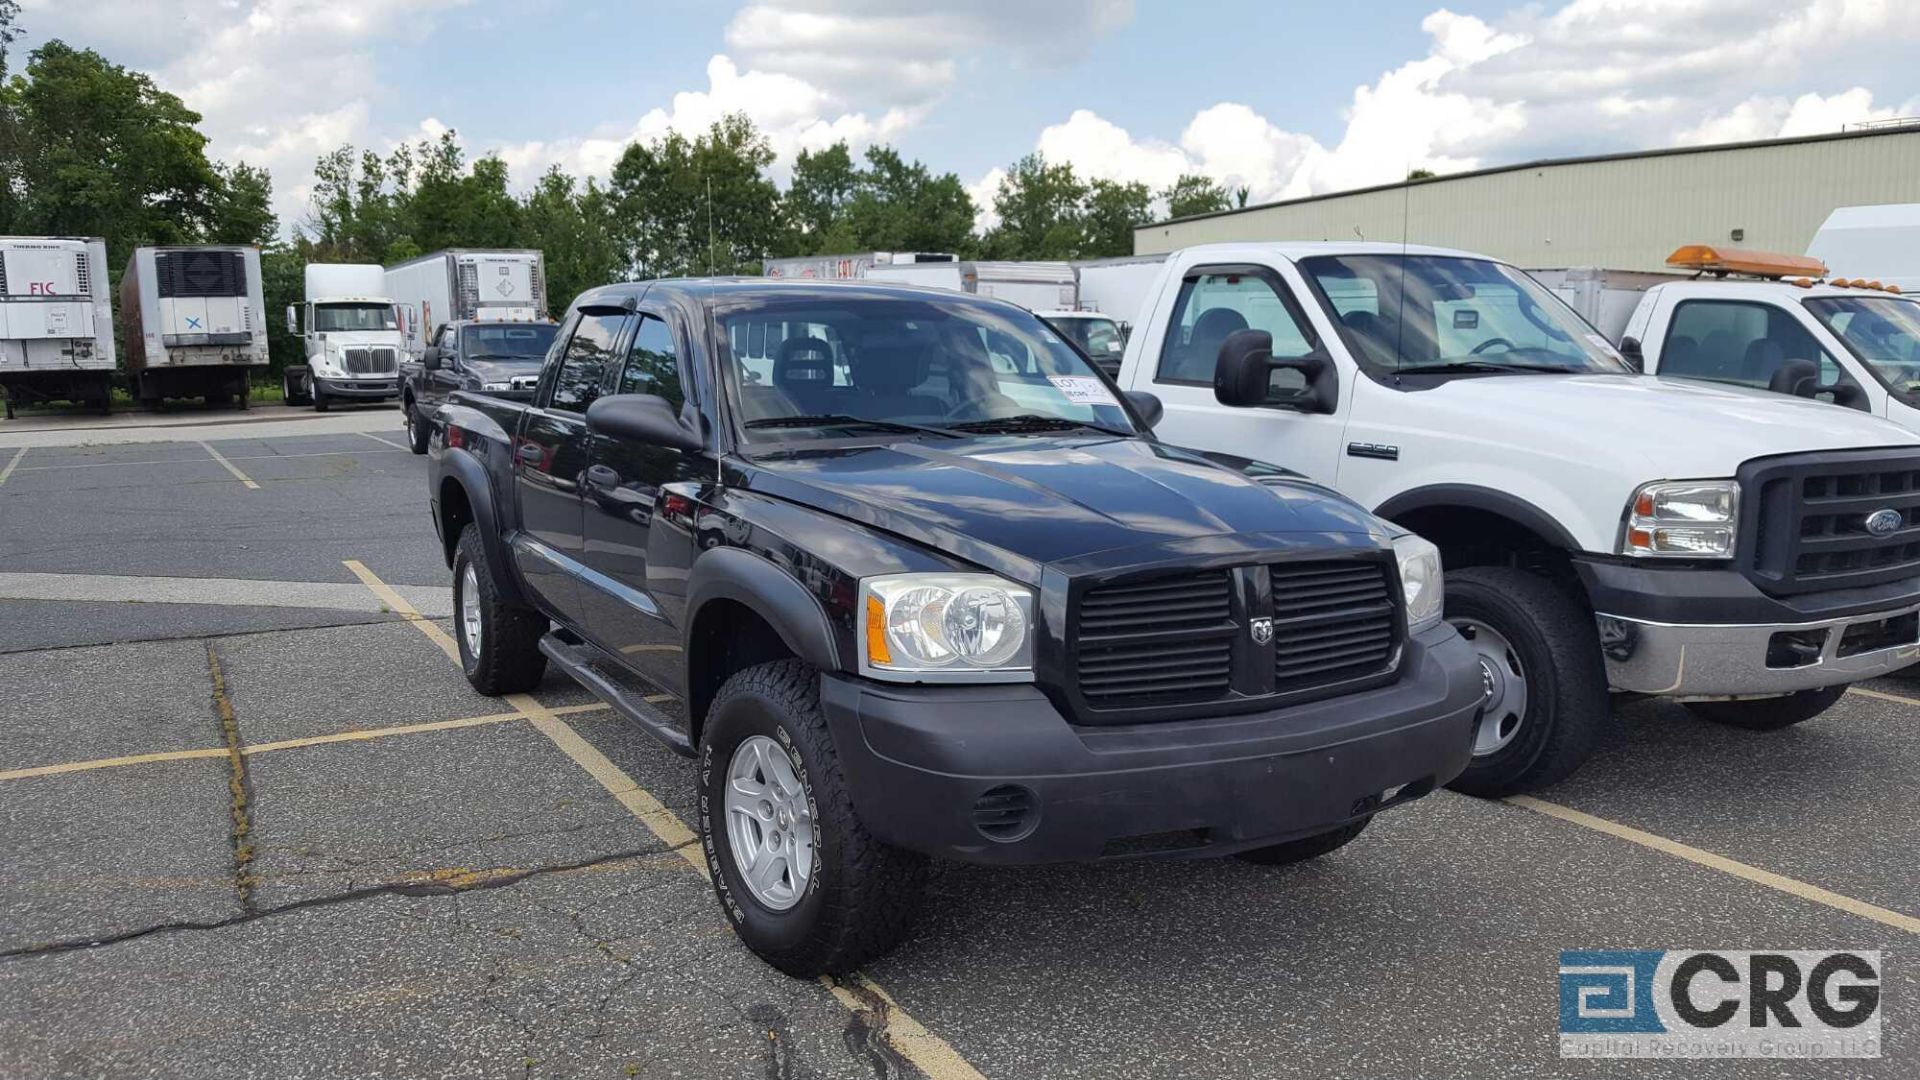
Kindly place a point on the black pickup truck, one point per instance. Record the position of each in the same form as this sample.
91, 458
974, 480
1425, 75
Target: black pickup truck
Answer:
499, 358
928, 586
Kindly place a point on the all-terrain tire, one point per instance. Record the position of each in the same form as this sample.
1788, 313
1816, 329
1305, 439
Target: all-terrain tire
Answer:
863, 895
1557, 650
417, 430
1307, 847
508, 659
1768, 714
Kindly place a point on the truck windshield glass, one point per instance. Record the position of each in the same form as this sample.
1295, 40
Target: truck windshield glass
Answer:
826, 367
1425, 314
346, 318
1096, 337
527, 342
1883, 331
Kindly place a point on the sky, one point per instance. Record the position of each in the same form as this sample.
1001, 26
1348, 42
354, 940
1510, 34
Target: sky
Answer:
1283, 98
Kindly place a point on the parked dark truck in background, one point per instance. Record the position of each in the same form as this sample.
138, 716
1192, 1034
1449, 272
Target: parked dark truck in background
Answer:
929, 587
500, 358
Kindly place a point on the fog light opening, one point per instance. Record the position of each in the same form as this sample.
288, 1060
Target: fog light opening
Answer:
1007, 813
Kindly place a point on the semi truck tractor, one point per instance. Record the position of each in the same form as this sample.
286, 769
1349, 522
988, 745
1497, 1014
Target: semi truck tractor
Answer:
193, 322
56, 322
466, 284
351, 330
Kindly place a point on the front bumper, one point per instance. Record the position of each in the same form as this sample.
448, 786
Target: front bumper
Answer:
359, 386
948, 770
1710, 633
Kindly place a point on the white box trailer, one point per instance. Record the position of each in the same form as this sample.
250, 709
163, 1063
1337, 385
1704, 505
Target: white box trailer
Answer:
1118, 286
847, 267
1605, 298
56, 321
193, 320
467, 283
1876, 243
1038, 286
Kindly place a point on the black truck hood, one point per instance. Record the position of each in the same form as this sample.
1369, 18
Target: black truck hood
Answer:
1015, 504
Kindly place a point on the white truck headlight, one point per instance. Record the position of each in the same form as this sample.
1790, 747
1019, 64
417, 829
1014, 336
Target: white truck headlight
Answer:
1682, 519
945, 628
1420, 580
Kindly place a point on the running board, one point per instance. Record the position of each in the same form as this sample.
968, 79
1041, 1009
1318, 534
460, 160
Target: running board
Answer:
577, 659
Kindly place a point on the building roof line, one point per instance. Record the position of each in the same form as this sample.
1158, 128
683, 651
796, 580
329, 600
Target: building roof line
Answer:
1542, 163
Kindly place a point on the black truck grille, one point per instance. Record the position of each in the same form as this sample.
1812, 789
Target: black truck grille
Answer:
1809, 515
1187, 639
1160, 641
1332, 621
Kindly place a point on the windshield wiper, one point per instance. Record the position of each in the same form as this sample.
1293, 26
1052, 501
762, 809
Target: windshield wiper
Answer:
1484, 366
1033, 422
845, 420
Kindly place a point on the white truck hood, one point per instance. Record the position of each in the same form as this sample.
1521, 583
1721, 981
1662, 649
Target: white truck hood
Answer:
1576, 446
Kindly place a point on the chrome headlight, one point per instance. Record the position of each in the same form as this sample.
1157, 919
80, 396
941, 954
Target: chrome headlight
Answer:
1682, 519
1420, 580
945, 628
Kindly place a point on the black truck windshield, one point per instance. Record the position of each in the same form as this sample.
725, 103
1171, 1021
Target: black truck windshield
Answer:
828, 367
1426, 314
507, 341
347, 318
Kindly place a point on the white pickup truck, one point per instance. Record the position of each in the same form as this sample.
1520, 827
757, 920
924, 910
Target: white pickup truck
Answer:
1761, 320
1745, 552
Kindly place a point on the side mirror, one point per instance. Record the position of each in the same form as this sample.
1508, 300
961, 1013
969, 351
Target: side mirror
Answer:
1800, 378
1630, 352
293, 319
643, 418
1243, 374
430, 359
1146, 406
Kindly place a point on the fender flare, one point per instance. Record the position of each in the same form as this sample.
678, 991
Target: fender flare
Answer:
1508, 506
471, 475
770, 592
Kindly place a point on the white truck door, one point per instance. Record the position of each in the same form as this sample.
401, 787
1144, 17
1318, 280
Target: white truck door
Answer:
1736, 338
1176, 361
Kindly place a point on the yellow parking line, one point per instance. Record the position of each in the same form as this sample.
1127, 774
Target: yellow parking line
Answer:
399, 604
1882, 696
926, 1051
1708, 859
112, 762
230, 467
13, 464
288, 744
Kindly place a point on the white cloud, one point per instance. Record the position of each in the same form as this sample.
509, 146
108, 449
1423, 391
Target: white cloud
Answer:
1580, 77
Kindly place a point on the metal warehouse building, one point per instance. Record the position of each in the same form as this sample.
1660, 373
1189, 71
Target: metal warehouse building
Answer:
1622, 211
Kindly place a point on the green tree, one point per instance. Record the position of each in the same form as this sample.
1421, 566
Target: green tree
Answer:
902, 206
697, 206
817, 201
1112, 211
1195, 194
9, 30
240, 209
1040, 210
95, 149
573, 226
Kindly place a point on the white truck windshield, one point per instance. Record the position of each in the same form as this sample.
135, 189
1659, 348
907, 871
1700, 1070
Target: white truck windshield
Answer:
826, 367
1882, 331
1425, 314
347, 318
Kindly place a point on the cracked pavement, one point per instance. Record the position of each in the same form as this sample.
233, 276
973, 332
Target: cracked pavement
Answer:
466, 901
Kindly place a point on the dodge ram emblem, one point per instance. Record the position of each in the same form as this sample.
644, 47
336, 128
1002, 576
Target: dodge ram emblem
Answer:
1262, 630
1883, 522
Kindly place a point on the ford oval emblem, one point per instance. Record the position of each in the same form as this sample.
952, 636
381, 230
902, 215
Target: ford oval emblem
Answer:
1884, 522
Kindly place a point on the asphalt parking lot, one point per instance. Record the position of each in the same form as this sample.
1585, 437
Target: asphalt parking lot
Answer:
256, 824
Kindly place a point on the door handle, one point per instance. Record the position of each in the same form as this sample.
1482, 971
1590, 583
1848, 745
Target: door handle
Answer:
602, 476
530, 453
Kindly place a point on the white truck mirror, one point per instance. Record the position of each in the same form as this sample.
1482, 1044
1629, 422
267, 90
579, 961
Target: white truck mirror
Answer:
293, 320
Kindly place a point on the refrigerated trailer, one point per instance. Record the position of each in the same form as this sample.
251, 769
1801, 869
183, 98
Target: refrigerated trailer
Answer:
485, 285
56, 322
1037, 286
193, 322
